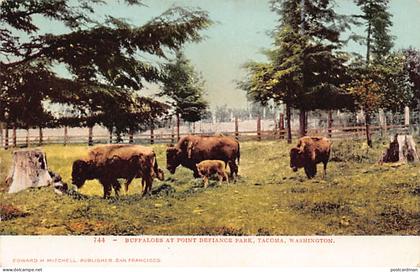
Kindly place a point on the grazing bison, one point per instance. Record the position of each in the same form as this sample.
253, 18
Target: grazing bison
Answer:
192, 149
210, 167
107, 163
308, 153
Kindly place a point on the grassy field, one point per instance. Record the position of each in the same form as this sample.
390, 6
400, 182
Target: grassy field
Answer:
358, 197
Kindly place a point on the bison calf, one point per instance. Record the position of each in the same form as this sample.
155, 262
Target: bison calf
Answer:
308, 153
210, 167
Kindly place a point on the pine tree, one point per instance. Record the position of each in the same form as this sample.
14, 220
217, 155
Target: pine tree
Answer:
185, 88
377, 22
104, 58
306, 66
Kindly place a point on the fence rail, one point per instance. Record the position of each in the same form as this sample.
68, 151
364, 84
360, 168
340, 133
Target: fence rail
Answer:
355, 132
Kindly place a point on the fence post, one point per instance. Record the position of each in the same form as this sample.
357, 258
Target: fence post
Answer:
259, 128
281, 126
14, 136
406, 116
236, 128
173, 135
27, 137
131, 136
6, 137
90, 136
110, 135
41, 140
382, 122
65, 135
152, 136
1, 134
330, 123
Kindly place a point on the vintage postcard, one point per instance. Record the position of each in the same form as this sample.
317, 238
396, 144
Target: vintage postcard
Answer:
142, 134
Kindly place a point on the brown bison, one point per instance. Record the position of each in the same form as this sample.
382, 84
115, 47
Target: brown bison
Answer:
308, 153
210, 167
107, 163
192, 149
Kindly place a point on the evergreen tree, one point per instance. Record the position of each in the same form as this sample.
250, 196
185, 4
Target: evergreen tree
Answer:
185, 88
377, 22
306, 66
103, 58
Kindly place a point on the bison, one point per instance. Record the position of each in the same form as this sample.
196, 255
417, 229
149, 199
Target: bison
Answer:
192, 149
308, 153
210, 167
107, 163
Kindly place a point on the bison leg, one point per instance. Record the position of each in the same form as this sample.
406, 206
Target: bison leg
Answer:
310, 170
325, 168
117, 186
196, 174
206, 181
222, 176
107, 188
129, 180
233, 169
148, 185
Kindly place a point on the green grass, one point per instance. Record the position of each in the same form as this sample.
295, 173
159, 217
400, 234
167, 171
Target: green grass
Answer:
358, 197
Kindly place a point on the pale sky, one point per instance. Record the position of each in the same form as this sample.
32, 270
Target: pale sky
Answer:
240, 33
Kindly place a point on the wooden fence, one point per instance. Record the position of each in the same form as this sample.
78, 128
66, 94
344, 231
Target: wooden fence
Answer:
355, 132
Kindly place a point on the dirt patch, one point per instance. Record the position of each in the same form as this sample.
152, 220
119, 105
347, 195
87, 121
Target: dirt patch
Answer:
319, 208
298, 190
8, 212
397, 219
163, 190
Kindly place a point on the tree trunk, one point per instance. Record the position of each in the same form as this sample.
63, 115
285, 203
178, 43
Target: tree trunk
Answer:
90, 136
330, 123
41, 136
259, 128
236, 128
65, 135
302, 123
281, 126
29, 169
110, 135
6, 137
177, 126
401, 149
367, 123
152, 135
14, 136
368, 41
289, 124
131, 136
1, 134
27, 137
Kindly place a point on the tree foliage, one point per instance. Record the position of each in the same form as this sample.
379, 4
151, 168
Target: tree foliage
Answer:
104, 59
185, 88
377, 21
306, 67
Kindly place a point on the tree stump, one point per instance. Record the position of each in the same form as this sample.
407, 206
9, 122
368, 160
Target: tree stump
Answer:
29, 169
401, 149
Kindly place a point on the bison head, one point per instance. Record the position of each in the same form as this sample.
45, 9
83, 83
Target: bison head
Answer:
172, 158
296, 158
80, 173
